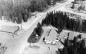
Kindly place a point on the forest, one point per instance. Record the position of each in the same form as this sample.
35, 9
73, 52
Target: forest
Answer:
36, 34
19, 11
62, 21
75, 46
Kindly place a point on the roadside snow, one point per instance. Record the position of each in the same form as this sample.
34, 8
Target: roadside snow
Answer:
17, 45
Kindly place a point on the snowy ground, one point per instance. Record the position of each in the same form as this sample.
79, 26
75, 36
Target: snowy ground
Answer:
19, 45
67, 9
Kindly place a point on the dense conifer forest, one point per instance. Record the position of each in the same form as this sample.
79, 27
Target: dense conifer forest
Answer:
61, 20
75, 46
36, 34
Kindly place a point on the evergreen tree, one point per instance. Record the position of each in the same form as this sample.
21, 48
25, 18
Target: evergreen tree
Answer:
36, 34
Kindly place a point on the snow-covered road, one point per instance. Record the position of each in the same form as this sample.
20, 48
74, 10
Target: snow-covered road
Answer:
17, 45
42, 15
38, 19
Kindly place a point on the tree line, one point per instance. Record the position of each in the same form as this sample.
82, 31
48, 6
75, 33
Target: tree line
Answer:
22, 12
75, 46
62, 21
41, 5
36, 34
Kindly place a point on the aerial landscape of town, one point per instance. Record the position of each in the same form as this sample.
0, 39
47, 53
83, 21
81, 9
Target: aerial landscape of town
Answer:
42, 26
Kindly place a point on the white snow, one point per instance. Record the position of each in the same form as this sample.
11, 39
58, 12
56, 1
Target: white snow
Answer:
18, 45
